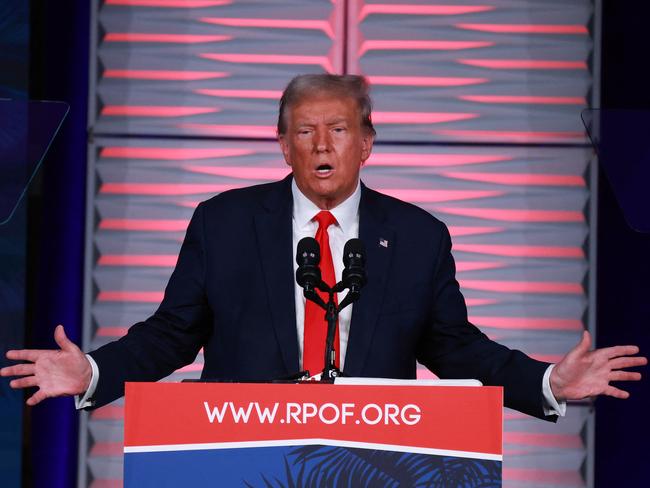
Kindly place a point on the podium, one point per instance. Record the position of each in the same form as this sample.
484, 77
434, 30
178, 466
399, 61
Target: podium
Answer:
312, 434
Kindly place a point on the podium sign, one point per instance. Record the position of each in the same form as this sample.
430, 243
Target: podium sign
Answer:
227, 434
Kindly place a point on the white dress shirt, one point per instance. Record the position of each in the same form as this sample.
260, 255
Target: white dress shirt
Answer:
347, 227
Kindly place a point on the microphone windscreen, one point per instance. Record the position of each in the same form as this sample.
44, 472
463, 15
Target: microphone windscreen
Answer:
354, 250
307, 252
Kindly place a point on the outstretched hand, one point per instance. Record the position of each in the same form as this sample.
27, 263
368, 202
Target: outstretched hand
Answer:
583, 373
59, 372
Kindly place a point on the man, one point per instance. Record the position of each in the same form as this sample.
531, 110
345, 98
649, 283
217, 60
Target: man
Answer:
233, 290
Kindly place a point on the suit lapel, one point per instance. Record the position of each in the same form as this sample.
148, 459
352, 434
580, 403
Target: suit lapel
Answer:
379, 240
275, 245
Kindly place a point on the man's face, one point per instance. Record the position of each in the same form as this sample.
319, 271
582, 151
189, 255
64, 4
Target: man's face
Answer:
326, 146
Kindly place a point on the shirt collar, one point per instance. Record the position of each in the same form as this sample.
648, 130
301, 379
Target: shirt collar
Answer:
345, 213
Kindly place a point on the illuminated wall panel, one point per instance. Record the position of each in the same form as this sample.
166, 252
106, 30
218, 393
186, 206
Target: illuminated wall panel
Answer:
516, 216
207, 68
501, 70
477, 109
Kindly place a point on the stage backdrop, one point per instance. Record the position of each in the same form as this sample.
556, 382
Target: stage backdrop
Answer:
477, 109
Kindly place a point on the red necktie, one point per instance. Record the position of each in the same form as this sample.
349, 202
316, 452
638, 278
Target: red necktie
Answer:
315, 324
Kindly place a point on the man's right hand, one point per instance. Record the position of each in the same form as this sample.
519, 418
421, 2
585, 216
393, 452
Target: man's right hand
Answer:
60, 372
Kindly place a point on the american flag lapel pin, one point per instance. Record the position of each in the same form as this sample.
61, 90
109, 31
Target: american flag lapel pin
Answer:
383, 242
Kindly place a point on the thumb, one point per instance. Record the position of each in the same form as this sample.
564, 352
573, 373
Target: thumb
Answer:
62, 339
585, 342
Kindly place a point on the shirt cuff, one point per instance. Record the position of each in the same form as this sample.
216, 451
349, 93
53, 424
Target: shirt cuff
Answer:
86, 400
551, 405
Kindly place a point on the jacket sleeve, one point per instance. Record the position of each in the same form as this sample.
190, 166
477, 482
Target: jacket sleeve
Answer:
172, 336
452, 347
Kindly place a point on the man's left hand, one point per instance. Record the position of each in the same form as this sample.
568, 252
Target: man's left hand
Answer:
583, 373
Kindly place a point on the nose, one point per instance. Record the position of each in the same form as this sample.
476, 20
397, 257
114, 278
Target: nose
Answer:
322, 141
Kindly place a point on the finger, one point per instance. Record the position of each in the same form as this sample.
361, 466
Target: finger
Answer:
26, 382
25, 354
18, 370
627, 362
618, 351
37, 397
616, 392
624, 376
62, 339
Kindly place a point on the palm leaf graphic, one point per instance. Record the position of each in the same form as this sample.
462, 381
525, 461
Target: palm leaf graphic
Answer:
343, 467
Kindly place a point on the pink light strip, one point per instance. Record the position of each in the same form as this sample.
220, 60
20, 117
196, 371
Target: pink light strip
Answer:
457, 231
107, 449
170, 3
111, 331
478, 302
523, 286
548, 358
419, 117
516, 215
409, 45
543, 476
162, 260
163, 74
265, 131
521, 323
108, 412
164, 38
172, 153
522, 251
433, 160
270, 94
520, 179
130, 296
242, 172
159, 111
435, 196
566, 441
526, 28
308, 24
519, 136
524, 99
149, 225
415, 9
322, 61
425, 81
465, 266
523, 64
163, 188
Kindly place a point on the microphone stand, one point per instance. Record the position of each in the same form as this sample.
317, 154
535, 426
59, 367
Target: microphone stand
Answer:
330, 371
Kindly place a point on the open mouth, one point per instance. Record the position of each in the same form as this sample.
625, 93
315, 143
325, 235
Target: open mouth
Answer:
324, 169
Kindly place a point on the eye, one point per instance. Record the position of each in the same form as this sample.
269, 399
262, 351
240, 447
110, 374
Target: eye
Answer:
339, 130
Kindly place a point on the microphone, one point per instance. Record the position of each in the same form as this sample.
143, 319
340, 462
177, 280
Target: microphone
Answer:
308, 257
354, 260
354, 273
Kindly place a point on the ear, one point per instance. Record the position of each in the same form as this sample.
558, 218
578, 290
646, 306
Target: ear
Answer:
284, 147
366, 146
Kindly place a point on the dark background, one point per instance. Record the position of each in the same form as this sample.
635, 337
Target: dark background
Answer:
623, 264
58, 70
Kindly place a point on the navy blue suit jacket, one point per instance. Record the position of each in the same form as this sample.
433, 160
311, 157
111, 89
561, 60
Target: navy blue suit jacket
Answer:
232, 293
